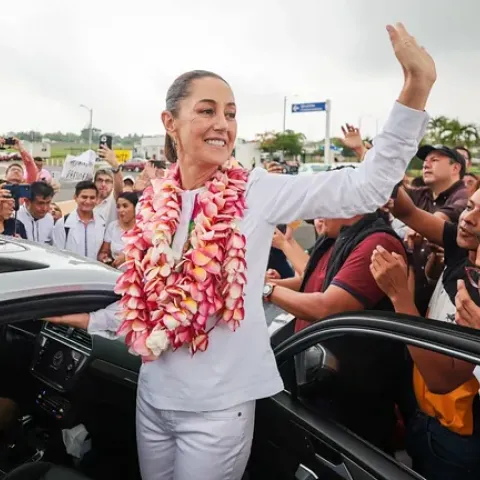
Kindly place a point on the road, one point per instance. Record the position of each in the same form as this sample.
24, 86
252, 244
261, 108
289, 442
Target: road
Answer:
304, 235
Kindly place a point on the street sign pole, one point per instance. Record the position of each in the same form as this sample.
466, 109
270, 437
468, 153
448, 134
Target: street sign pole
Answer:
327, 153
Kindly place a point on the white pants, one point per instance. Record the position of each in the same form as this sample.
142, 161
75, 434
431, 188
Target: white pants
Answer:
176, 445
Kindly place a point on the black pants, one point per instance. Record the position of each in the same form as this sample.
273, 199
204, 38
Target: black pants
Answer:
440, 454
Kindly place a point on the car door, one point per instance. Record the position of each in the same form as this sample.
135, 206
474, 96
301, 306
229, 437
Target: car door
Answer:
292, 442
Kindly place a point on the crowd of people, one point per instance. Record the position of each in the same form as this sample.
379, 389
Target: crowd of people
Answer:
385, 242
408, 257
105, 207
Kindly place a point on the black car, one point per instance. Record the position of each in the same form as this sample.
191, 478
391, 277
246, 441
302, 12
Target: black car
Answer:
62, 378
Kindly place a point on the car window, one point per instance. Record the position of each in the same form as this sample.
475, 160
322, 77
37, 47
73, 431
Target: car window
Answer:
366, 384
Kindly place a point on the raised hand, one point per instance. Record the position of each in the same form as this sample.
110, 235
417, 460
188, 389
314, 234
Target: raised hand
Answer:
353, 140
414, 59
108, 155
351, 137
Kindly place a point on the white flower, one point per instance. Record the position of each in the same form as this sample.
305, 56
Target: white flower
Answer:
157, 342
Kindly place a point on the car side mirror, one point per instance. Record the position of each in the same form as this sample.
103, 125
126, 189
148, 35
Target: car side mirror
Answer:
314, 367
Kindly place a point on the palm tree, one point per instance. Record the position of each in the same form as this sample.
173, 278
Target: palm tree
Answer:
443, 130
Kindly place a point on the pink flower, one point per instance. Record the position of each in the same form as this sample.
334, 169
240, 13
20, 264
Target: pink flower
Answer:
200, 343
167, 302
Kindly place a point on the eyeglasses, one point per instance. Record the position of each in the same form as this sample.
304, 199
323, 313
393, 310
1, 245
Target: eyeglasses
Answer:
473, 275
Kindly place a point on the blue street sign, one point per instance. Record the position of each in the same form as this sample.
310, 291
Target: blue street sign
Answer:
309, 107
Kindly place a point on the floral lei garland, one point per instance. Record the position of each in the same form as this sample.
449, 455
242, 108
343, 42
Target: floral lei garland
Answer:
166, 301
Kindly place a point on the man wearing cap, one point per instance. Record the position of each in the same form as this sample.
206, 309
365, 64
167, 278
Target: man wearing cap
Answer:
109, 184
445, 196
128, 184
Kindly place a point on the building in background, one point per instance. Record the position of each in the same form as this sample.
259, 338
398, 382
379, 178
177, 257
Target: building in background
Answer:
248, 153
41, 149
150, 148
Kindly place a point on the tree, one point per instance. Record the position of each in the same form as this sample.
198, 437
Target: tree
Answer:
267, 142
444, 130
289, 142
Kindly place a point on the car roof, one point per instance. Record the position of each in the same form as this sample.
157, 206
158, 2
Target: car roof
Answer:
28, 269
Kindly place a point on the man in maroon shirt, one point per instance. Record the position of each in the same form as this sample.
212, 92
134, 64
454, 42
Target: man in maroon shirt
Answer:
338, 279
351, 288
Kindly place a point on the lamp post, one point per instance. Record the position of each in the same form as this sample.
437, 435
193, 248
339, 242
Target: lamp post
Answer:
90, 125
285, 98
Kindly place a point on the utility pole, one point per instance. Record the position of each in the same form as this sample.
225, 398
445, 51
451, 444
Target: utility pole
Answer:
328, 113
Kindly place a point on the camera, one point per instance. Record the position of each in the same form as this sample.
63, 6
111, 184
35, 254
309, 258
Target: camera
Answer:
10, 142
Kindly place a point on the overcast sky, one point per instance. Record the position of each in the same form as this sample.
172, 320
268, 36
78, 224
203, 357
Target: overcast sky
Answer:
119, 57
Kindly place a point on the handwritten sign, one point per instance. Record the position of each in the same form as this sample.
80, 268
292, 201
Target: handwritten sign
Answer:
79, 168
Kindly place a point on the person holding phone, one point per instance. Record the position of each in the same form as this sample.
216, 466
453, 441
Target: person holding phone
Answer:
111, 251
109, 182
35, 213
8, 225
15, 173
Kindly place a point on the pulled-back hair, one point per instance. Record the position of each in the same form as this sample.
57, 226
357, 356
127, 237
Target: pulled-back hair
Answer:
179, 90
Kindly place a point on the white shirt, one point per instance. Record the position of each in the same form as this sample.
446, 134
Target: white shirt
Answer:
240, 366
113, 236
107, 209
441, 307
40, 230
82, 239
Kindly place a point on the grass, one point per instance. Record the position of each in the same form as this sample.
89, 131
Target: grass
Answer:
61, 150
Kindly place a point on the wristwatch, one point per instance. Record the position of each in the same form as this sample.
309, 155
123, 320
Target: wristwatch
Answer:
115, 170
268, 290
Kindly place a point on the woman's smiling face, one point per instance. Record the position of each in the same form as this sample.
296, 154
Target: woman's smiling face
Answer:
205, 125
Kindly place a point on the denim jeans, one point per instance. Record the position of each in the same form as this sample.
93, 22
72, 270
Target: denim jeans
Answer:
440, 454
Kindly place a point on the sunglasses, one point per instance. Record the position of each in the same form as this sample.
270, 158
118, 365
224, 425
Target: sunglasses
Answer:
473, 275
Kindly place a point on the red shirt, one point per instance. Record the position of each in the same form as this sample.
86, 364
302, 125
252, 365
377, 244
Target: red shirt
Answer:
354, 276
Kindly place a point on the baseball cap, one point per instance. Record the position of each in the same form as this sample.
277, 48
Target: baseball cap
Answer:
129, 179
447, 151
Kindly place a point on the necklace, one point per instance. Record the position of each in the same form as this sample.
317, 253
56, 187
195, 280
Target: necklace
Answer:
167, 297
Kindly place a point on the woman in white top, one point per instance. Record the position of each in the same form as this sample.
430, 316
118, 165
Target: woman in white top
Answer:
196, 232
111, 251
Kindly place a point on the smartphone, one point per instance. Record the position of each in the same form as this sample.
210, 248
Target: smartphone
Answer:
10, 141
282, 228
18, 191
106, 140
